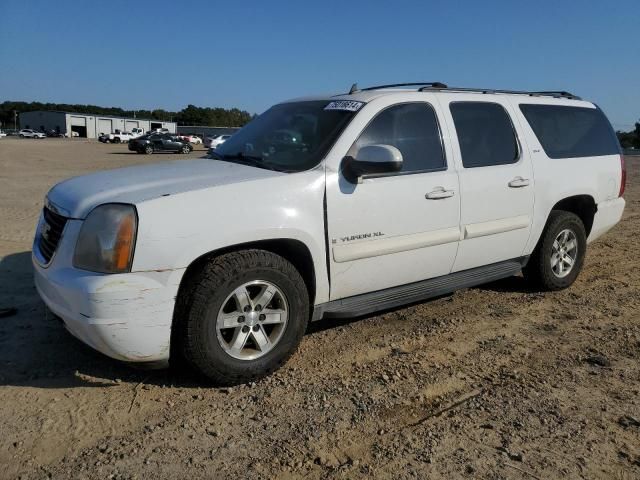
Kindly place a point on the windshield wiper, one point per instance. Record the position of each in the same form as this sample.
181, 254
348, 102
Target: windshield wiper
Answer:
251, 160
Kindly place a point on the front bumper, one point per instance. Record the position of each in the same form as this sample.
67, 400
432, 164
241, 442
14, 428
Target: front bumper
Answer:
125, 316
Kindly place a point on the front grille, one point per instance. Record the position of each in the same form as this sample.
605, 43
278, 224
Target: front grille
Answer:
50, 233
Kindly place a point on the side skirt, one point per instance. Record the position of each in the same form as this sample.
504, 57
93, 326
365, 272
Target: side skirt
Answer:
414, 292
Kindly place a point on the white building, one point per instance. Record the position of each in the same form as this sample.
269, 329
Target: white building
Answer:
87, 125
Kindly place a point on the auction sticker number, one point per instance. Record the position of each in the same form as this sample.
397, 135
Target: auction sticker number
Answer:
348, 105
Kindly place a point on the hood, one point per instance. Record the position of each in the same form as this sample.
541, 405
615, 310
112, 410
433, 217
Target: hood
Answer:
76, 197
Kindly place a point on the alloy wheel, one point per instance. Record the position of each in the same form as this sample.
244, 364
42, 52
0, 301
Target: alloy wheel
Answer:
252, 320
564, 253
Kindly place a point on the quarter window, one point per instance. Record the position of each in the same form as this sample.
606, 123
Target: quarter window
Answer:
485, 134
569, 132
413, 129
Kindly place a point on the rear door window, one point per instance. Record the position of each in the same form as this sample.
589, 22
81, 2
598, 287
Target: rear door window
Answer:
569, 132
485, 134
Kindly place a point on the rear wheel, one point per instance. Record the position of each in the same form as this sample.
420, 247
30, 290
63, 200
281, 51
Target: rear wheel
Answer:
242, 316
116, 140
559, 255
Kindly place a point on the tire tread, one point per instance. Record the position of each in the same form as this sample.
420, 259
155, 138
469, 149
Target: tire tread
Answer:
536, 271
193, 302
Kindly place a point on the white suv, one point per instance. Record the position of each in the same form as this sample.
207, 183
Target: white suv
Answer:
327, 207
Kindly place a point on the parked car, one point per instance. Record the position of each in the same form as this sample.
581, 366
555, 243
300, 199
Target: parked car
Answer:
54, 134
29, 133
334, 207
159, 130
159, 142
196, 140
215, 140
2, 134
120, 137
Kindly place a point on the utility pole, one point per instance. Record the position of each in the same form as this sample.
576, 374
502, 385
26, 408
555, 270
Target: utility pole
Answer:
15, 120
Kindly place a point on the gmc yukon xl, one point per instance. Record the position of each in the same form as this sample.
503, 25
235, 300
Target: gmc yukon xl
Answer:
327, 207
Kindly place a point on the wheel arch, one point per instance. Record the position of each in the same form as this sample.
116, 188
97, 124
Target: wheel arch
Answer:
584, 206
294, 251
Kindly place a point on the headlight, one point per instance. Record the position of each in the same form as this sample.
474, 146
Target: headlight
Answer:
107, 239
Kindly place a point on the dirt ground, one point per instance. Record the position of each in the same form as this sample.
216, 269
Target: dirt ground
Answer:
495, 382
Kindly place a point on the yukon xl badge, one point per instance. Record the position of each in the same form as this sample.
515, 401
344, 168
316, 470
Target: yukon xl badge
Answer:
359, 236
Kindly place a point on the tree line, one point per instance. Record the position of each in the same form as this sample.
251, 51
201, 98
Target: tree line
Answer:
630, 139
191, 115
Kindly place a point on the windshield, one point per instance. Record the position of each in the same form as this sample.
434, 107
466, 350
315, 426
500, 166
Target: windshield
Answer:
289, 137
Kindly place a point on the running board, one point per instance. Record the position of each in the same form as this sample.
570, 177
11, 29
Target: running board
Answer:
414, 292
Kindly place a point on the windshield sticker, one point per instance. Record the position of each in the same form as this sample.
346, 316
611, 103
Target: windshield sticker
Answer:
348, 105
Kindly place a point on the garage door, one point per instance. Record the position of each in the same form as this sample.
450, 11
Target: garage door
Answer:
79, 126
78, 122
129, 124
104, 125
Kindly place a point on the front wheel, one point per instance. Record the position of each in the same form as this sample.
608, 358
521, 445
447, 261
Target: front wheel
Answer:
559, 255
148, 149
242, 316
116, 140
186, 149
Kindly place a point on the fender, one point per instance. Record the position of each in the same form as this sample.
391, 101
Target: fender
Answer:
172, 234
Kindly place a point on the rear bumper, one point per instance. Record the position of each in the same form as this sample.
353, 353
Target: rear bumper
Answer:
126, 316
607, 216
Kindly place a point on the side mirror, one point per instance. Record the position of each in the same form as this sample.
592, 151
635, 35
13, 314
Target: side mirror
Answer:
371, 160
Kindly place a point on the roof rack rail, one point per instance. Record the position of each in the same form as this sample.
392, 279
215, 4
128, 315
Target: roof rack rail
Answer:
354, 87
556, 93
549, 93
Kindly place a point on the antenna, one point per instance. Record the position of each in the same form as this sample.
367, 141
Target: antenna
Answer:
354, 88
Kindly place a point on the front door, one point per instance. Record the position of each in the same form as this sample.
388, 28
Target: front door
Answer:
496, 180
393, 229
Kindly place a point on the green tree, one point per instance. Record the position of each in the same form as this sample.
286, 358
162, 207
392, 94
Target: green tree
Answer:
191, 115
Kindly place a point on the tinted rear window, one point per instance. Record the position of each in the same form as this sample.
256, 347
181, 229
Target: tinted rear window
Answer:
569, 132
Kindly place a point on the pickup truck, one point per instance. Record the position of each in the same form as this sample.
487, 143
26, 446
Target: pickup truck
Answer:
326, 207
123, 137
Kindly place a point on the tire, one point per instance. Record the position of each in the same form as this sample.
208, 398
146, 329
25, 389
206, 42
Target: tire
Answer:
209, 294
21, 136
539, 270
148, 149
186, 149
116, 140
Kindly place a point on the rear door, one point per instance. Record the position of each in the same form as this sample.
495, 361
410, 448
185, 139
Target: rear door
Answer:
496, 179
394, 229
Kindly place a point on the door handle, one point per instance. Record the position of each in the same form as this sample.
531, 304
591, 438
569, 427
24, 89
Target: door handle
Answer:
519, 182
439, 193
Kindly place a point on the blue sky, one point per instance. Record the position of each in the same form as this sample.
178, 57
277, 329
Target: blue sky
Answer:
250, 54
